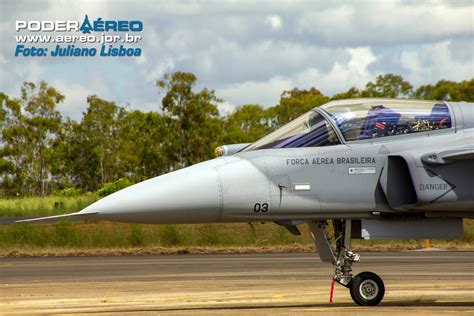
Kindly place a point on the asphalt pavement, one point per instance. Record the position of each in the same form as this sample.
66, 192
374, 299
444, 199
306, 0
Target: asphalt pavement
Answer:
272, 284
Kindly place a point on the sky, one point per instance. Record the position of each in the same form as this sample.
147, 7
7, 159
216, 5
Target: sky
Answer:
247, 51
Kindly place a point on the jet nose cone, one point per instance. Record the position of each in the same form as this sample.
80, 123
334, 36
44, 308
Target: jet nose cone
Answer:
189, 195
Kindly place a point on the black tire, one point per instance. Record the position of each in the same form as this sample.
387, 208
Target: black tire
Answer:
367, 289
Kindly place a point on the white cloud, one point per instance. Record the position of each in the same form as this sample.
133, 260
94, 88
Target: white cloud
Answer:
354, 73
159, 70
387, 22
76, 98
436, 61
100, 84
12, 75
249, 52
262, 92
226, 107
76, 94
274, 21
3, 59
342, 76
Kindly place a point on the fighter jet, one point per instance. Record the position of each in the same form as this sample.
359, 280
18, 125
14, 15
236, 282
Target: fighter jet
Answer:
374, 169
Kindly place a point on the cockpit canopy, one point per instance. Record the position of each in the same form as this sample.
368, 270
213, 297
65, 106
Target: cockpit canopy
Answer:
309, 130
367, 119
357, 119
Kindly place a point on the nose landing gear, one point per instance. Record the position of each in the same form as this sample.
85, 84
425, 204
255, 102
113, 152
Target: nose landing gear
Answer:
366, 288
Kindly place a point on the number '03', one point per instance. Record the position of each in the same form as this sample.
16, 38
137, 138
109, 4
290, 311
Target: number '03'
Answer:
260, 207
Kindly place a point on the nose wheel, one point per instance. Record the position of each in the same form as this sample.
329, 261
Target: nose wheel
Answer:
366, 288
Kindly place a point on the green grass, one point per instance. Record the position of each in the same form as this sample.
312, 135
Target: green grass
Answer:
106, 235
45, 206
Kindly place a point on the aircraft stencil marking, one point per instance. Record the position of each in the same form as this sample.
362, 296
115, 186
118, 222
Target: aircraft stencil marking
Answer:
452, 186
362, 170
384, 150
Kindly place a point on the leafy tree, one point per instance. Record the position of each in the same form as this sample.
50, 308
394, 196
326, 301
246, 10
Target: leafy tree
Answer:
194, 118
447, 90
31, 128
92, 145
388, 86
144, 145
465, 91
246, 124
12, 160
3, 112
294, 103
349, 94
44, 123
68, 155
112, 187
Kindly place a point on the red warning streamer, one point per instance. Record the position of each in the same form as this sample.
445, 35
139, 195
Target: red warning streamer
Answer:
332, 292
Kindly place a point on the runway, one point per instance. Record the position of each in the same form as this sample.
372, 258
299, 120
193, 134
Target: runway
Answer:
272, 284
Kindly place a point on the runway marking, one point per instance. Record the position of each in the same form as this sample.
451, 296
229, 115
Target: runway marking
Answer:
279, 295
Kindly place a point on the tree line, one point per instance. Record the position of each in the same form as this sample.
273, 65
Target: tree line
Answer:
42, 152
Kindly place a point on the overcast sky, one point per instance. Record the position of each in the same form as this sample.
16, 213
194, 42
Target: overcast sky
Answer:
248, 52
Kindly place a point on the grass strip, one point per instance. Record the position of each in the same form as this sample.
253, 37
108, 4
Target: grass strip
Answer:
45, 206
105, 238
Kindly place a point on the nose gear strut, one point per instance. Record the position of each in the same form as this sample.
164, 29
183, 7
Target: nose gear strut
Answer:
335, 248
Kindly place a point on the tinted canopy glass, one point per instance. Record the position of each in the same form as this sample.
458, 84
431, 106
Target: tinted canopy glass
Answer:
308, 130
359, 119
